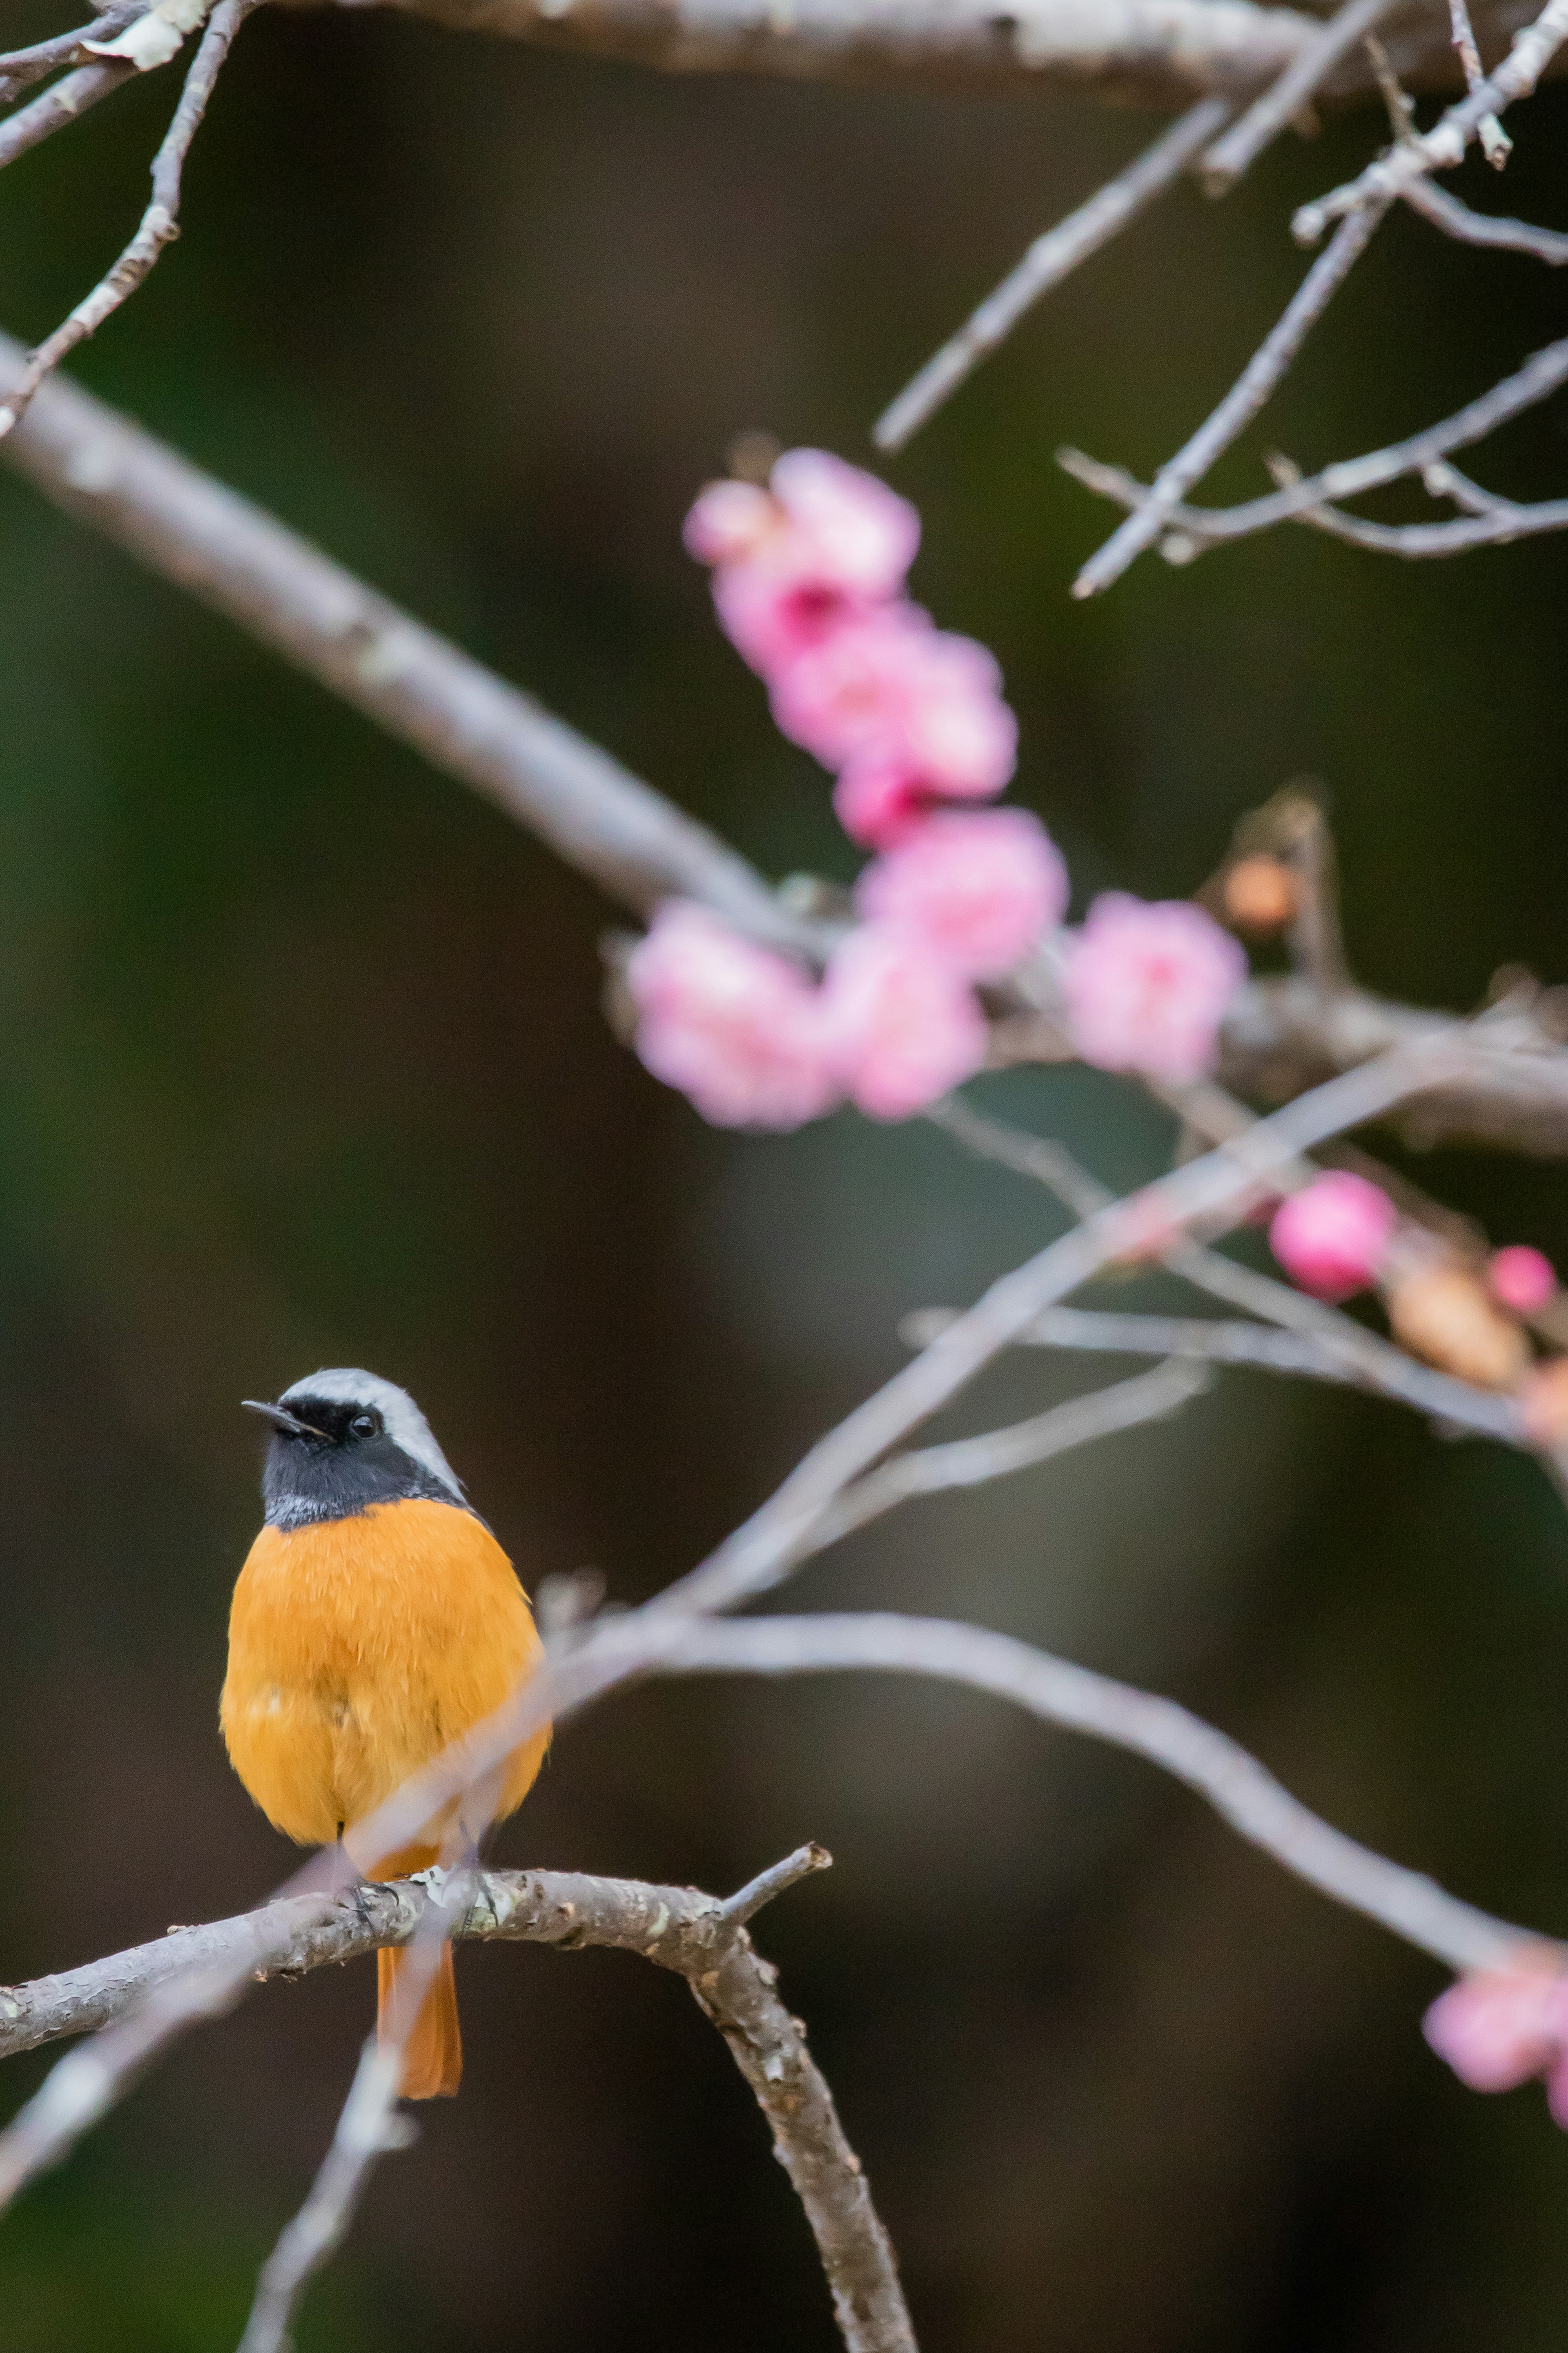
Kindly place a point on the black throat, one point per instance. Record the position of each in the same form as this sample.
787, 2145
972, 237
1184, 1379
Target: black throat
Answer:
328, 1474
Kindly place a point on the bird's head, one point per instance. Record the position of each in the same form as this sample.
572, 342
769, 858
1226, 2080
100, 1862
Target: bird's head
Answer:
343, 1440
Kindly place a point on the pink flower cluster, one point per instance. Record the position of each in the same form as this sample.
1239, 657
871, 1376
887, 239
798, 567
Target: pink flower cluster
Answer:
1501, 2027
808, 580
894, 1022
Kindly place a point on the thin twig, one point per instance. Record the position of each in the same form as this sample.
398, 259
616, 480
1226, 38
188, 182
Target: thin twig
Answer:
1282, 102
18, 68
368, 2127
1252, 388
1051, 257
1240, 1789
61, 103
974, 1461
1460, 220
1329, 1343
1504, 523
1445, 144
160, 223
1201, 527
1496, 144
748, 1901
1226, 1341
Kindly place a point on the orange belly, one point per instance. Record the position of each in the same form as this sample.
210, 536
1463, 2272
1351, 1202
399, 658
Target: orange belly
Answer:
358, 1649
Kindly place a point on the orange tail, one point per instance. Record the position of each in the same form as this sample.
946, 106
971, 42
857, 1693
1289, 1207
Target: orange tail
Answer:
433, 2054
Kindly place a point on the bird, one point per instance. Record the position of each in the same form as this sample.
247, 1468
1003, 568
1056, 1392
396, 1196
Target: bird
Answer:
375, 1619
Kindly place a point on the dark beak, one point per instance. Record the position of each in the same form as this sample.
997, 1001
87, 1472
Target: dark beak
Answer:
281, 1418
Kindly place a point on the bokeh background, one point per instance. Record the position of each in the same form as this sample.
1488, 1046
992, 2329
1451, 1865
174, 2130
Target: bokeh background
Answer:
301, 1061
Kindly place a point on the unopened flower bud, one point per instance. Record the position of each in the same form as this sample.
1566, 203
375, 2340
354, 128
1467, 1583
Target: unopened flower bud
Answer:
1332, 1236
1522, 1279
1261, 895
1444, 1314
1544, 1402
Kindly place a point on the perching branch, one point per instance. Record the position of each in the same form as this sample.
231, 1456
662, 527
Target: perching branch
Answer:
695, 1935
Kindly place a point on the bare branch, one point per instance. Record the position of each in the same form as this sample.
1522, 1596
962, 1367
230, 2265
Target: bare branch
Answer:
1445, 144
60, 104
160, 223
1502, 523
693, 1934
1459, 221
369, 2128
1281, 103
1051, 257
1198, 528
1241, 1791
1496, 144
1252, 388
748, 1901
18, 68
1158, 52
1325, 1343
973, 1462
421, 688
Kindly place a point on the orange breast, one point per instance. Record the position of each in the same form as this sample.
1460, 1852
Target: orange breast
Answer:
358, 1649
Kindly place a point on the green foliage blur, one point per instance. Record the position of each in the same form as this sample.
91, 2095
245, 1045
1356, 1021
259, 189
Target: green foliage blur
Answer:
301, 1061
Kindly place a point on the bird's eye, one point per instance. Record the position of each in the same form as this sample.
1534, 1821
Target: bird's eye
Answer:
363, 1425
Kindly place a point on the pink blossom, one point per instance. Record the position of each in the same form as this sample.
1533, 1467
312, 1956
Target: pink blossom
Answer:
736, 1028
828, 541
1522, 1279
885, 685
879, 802
1501, 2027
977, 887
901, 1027
862, 533
1332, 1236
1147, 984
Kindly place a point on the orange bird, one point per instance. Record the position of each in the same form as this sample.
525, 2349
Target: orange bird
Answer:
375, 1619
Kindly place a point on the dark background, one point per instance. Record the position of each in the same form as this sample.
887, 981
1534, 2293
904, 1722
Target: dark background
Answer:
301, 1061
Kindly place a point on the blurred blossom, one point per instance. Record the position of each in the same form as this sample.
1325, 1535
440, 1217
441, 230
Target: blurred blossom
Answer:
735, 1027
887, 684
901, 1027
979, 887
1501, 2027
1147, 984
824, 541
878, 801
1331, 1238
1522, 1279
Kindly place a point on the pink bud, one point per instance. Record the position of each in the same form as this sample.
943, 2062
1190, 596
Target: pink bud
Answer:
1147, 985
886, 686
902, 1027
979, 887
1333, 1235
735, 1027
730, 521
1502, 2026
1522, 1279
